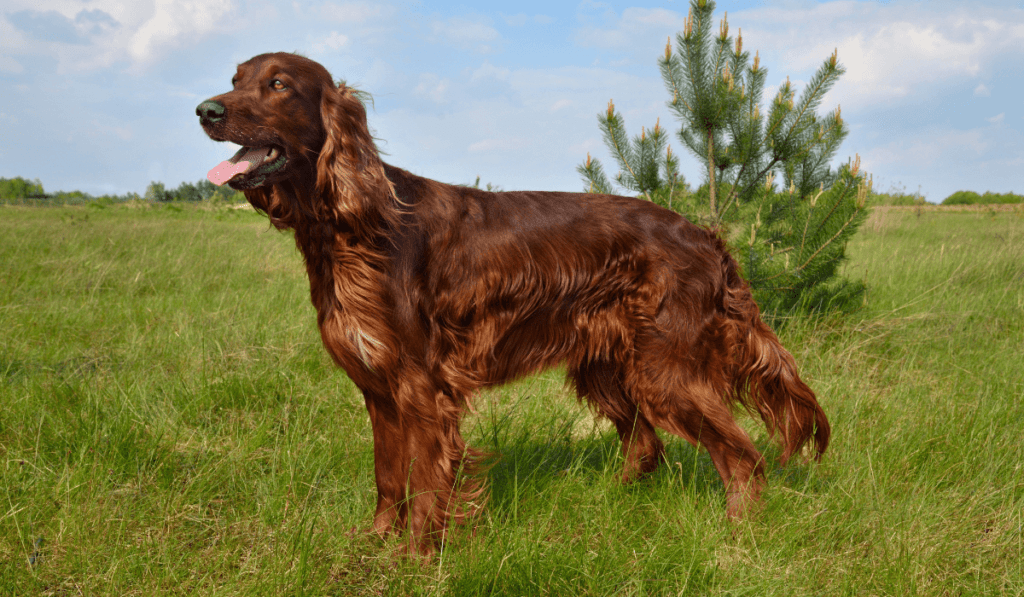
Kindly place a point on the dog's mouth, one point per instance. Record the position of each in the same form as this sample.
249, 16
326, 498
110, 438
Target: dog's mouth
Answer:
249, 167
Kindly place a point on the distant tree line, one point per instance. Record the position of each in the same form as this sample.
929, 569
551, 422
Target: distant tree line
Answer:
21, 189
988, 198
899, 196
203, 190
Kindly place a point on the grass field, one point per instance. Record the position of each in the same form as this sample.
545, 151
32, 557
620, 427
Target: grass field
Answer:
170, 425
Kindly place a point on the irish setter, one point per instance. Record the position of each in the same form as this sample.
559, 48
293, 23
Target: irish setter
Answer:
427, 292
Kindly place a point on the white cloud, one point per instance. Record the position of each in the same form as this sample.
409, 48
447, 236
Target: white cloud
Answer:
516, 20
530, 134
890, 51
546, 82
10, 65
10, 39
489, 71
635, 27
982, 90
997, 119
378, 76
88, 35
894, 59
476, 34
175, 22
560, 104
433, 87
334, 41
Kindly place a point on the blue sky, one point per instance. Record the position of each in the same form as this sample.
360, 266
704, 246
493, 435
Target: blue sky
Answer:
100, 95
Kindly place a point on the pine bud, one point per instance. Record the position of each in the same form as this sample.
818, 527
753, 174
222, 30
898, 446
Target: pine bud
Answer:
834, 59
821, 191
739, 41
588, 160
856, 165
725, 26
611, 109
668, 49
862, 196
757, 61
688, 25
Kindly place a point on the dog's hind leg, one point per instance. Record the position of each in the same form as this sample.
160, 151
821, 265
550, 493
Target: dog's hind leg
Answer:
684, 390
696, 412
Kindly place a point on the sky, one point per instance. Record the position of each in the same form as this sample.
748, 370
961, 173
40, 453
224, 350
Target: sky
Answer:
100, 95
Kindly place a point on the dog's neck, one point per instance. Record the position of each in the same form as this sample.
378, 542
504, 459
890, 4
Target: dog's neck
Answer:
344, 266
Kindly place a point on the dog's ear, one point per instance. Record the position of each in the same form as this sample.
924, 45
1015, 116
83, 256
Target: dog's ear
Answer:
350, 174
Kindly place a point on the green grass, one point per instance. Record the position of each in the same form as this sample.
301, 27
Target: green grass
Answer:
170, 425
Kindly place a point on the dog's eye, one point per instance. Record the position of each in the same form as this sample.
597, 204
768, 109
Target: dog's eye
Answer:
278, 85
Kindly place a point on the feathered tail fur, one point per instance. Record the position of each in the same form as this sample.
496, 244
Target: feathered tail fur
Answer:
766, 378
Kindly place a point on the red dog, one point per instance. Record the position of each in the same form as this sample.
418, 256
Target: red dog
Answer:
426, 292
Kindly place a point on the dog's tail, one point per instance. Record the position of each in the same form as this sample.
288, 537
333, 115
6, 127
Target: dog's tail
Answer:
765, 377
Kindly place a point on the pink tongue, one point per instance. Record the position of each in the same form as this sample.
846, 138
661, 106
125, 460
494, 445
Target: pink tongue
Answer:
240, 163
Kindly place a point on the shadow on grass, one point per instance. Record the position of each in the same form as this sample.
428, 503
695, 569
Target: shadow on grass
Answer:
529, 467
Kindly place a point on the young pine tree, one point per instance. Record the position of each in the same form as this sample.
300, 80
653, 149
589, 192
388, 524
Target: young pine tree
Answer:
789, 243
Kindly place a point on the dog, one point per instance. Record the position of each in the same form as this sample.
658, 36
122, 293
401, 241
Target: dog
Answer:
427, 292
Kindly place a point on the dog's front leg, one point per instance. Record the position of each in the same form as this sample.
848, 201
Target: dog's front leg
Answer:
389, 464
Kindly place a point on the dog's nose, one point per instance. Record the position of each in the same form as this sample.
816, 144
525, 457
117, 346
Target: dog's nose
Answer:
210, 112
